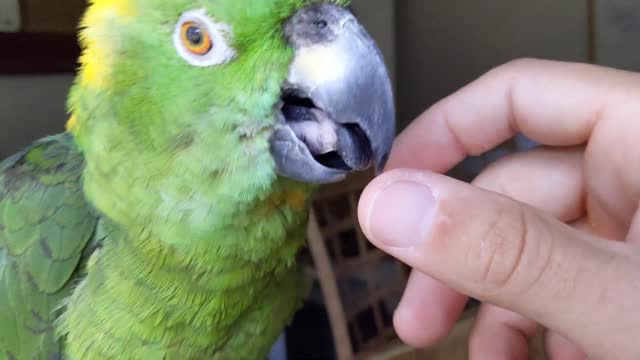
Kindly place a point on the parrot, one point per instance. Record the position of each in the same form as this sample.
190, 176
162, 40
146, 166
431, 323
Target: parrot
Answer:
167, 219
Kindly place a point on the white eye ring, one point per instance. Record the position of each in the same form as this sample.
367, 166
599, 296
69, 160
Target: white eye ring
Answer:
220, 51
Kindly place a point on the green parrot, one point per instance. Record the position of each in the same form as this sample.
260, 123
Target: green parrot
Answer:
165, 222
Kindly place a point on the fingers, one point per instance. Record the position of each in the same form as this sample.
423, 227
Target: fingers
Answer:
427, 312
612, 181
500, 334
548, 179
634, 232
553, 103
558, 347
503, 252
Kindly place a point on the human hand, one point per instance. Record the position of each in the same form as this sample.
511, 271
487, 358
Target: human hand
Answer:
548, 239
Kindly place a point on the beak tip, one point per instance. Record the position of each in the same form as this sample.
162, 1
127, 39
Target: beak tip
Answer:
379, 167
381, 161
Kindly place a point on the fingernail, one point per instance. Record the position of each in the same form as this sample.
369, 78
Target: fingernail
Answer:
401, 214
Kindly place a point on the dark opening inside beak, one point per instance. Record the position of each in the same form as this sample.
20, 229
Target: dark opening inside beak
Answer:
332, 144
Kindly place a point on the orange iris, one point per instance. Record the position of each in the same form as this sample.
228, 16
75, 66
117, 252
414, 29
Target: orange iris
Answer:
195, 38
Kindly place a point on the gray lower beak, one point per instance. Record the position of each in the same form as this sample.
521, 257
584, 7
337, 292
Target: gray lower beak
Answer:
337, 113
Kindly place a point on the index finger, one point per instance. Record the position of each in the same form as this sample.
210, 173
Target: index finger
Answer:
553, 103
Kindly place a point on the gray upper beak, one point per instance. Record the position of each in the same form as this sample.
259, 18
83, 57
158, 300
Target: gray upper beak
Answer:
337, 113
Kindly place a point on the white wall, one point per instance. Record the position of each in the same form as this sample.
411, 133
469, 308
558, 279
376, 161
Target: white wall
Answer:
31, 107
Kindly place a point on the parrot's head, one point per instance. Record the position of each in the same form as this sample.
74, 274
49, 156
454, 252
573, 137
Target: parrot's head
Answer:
252, 90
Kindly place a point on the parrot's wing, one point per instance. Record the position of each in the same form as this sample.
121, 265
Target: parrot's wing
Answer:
46, 232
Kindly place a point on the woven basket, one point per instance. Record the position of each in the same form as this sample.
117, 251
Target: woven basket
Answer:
360, 284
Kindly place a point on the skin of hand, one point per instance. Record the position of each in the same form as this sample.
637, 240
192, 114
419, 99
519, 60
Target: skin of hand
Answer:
548, 240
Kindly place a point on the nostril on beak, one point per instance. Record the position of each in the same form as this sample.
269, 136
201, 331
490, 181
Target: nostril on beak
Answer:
320, 24
314, 24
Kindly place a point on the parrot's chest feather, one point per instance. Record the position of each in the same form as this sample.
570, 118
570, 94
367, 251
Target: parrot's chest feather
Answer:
232, 295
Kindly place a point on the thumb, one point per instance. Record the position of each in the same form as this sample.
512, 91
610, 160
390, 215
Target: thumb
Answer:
503, 252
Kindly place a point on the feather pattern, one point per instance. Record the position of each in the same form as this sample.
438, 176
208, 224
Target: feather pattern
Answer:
45, 226
157, 227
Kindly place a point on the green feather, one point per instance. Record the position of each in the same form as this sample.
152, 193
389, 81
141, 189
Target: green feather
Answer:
44, 227
158, 228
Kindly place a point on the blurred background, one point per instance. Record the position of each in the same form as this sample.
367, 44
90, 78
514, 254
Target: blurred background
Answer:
432, 48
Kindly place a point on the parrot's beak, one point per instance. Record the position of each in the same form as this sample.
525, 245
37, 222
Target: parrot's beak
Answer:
337, 112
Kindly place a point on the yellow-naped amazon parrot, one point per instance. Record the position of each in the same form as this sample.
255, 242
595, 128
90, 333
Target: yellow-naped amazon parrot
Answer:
165, 222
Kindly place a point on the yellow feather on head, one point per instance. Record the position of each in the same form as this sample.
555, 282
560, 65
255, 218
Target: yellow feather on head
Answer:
97, 45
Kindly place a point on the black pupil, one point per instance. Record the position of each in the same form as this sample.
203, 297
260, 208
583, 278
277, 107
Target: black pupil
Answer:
194, 35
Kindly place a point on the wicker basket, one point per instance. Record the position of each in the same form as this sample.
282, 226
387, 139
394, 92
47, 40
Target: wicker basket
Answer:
361, 285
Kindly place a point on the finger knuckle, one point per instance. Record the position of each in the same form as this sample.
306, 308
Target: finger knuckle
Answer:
495, 180
519, 64
508, 68
500, 249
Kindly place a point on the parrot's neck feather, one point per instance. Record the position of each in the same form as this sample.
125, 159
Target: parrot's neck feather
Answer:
144, 289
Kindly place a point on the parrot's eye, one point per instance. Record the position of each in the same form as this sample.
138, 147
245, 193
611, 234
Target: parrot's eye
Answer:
195, 39
201, 41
